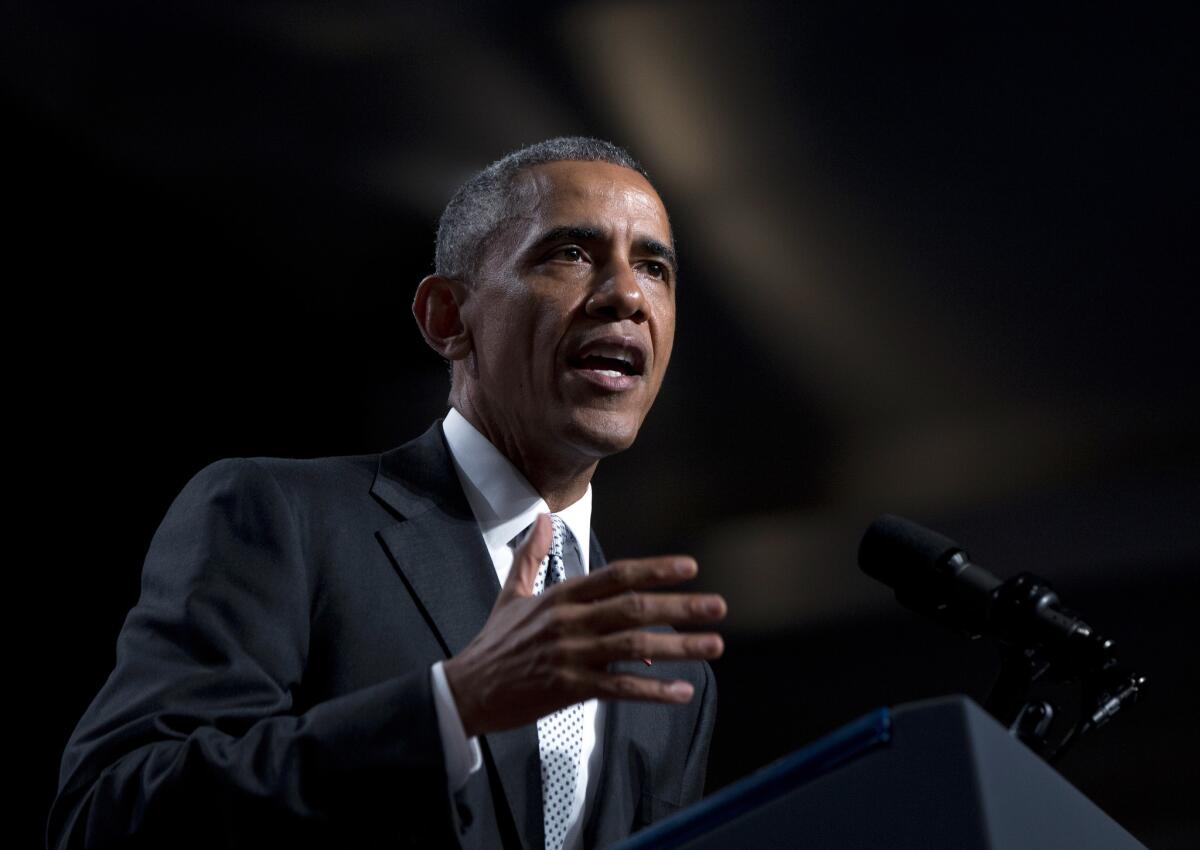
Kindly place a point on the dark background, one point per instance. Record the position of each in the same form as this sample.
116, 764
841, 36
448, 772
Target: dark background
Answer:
936, 262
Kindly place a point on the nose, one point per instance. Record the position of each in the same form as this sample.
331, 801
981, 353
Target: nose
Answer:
619, 296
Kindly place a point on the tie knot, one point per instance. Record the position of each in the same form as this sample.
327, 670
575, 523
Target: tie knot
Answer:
552, 570
559, 537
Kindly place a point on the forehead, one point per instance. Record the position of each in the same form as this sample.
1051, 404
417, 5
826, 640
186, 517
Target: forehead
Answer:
616, 199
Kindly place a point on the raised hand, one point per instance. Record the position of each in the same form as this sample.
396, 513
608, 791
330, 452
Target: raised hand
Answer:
536, 654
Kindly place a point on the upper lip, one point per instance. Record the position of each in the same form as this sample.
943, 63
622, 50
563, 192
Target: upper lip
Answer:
629, 349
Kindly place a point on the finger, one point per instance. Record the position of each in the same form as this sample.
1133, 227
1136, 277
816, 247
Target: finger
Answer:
639, 644
630, 610
620, 576
626, 686
527, 558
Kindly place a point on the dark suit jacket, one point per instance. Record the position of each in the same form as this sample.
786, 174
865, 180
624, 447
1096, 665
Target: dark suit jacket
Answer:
272, 683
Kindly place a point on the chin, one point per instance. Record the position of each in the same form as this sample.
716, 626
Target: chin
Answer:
601, 434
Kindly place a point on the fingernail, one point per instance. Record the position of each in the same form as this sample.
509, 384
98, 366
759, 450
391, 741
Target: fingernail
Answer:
712, 607
684, 568
712, 644
682, 690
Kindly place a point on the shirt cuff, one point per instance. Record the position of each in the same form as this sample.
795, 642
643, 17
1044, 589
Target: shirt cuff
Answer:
463, 756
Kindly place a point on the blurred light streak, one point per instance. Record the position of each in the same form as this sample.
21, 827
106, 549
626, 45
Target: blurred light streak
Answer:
675, 77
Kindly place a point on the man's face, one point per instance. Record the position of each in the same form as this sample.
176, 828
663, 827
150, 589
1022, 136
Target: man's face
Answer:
572, 316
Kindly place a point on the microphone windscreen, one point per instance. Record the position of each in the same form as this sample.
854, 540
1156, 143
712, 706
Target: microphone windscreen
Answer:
897, 551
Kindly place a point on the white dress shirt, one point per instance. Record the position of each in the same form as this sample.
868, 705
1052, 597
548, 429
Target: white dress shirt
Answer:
505, 506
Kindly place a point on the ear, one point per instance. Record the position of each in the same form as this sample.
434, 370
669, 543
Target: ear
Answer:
437, 308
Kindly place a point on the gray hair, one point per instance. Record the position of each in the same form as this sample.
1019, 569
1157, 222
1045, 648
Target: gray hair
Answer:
474, 215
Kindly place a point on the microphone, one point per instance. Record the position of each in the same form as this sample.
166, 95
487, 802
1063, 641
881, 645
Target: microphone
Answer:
933, 575
1043, 642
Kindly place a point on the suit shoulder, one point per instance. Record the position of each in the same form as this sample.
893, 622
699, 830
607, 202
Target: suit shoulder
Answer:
294, 472
325, 482
321, 472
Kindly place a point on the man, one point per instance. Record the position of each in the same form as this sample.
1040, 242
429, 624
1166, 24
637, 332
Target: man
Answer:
404, 649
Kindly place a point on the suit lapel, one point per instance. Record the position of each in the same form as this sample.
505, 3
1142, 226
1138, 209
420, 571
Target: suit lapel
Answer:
609, 818
440, 555
614, 807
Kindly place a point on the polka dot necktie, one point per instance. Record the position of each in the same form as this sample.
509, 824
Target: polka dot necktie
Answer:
560, 735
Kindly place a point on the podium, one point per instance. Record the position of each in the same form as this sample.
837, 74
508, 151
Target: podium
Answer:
935, 774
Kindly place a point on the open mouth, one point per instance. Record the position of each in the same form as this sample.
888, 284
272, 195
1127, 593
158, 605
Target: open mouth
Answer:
609, 359
612, 366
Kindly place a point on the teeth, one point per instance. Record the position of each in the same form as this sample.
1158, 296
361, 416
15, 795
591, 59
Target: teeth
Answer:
613, 352
609, 373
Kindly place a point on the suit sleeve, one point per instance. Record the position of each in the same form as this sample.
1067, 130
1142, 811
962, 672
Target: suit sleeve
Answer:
696, 766
195, 741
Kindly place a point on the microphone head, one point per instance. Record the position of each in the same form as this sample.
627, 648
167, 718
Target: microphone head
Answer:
901, 554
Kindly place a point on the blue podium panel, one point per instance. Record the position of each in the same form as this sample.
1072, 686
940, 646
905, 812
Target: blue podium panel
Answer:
936, 774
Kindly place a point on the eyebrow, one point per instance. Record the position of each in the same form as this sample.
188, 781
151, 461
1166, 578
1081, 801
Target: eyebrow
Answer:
590, 233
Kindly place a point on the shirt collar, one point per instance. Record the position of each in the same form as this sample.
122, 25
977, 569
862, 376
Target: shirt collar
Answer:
503, 500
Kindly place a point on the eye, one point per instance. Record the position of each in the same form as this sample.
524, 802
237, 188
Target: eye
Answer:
570, 253
656, 270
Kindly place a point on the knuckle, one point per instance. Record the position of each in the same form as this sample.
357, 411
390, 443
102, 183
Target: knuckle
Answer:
626, 573
632, 644
542, 658
569, 653
552, 654
558, 678
634, 606
555, 622
526, 554
625, 686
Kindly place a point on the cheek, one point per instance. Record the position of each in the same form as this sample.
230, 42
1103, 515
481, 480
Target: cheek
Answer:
552, 319
664, 333
663, 355
531, 340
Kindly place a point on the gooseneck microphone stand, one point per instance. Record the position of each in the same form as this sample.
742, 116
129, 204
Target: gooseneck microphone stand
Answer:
1059, 679
1037, 675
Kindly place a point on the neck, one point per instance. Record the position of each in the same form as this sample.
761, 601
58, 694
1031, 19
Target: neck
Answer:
561, 491
559, 479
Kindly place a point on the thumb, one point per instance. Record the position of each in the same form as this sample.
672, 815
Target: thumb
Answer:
527, 558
